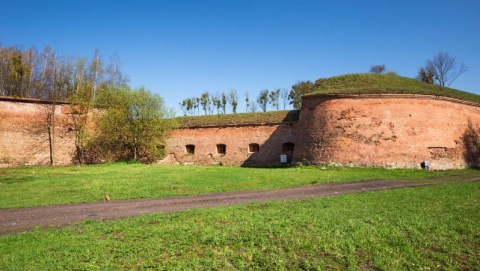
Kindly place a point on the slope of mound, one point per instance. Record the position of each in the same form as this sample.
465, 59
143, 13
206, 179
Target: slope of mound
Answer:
385, 84
274, 117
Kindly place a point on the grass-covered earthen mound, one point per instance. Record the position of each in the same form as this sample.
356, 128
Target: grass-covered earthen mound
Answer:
385, 84
345, 84
274, 117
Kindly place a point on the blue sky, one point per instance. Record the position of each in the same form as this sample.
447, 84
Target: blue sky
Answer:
179, 49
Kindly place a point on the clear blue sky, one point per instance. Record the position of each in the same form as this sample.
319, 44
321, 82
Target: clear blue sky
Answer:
181, 48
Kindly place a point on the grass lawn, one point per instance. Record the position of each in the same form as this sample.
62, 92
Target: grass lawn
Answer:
423, 228
35, 186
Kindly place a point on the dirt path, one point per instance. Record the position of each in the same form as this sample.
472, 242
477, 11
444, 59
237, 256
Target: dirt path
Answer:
18, 220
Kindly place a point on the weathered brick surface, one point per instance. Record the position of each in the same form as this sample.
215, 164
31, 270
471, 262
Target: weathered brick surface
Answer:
237, 140
395, 131
24, 137
384, 130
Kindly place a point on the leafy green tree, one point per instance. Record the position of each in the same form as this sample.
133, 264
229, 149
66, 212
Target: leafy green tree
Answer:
274, 98
224, 102
298, 90
216, 102
205, 102
233, 100
133, 124
262, 100
426, 75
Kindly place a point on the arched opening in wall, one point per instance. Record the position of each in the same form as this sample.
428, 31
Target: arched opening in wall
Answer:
222, 149
288, 150
288, 147
254, 147
190, 149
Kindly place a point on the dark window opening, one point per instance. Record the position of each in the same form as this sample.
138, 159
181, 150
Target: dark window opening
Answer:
190, 149
288, 147
221, 149
253, 147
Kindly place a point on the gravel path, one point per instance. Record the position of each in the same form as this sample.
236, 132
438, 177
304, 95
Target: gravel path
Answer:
22, 219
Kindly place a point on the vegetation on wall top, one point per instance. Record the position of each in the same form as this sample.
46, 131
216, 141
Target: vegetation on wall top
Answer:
385, 84
284, 116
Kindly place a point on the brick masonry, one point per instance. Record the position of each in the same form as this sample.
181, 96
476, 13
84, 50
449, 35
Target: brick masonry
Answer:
237, 139
393, 131
24, 136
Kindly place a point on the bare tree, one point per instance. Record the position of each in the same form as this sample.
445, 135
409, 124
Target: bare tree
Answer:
115, 78
50, 88
97, 71
445, 69
253, 107
284, 94
378, 69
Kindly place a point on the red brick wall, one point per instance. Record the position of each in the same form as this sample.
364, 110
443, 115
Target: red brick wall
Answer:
395, 131
237, 140
384, 130
24, 137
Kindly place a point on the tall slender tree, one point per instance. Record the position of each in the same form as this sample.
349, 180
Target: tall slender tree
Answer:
262, 99
233, 99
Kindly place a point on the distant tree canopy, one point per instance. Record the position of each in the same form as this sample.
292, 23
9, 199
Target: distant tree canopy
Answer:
50, 76
378, 69
132, 123
266, 99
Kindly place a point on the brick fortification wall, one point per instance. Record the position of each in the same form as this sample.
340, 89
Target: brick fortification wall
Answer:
237, 140
24, 136
393, 131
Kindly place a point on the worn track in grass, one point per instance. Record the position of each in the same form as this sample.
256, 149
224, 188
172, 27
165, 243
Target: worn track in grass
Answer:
24, 219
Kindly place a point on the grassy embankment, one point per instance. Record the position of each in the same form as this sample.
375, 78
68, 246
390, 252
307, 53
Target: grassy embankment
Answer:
35, 186
386, 84
273, 117
343, 84
424, 228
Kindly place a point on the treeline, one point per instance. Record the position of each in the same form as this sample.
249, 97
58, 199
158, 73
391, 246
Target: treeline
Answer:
50, 76
274, 99
130, 124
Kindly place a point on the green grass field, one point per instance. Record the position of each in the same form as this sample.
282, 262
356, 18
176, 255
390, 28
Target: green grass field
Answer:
35, 186
424, 228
